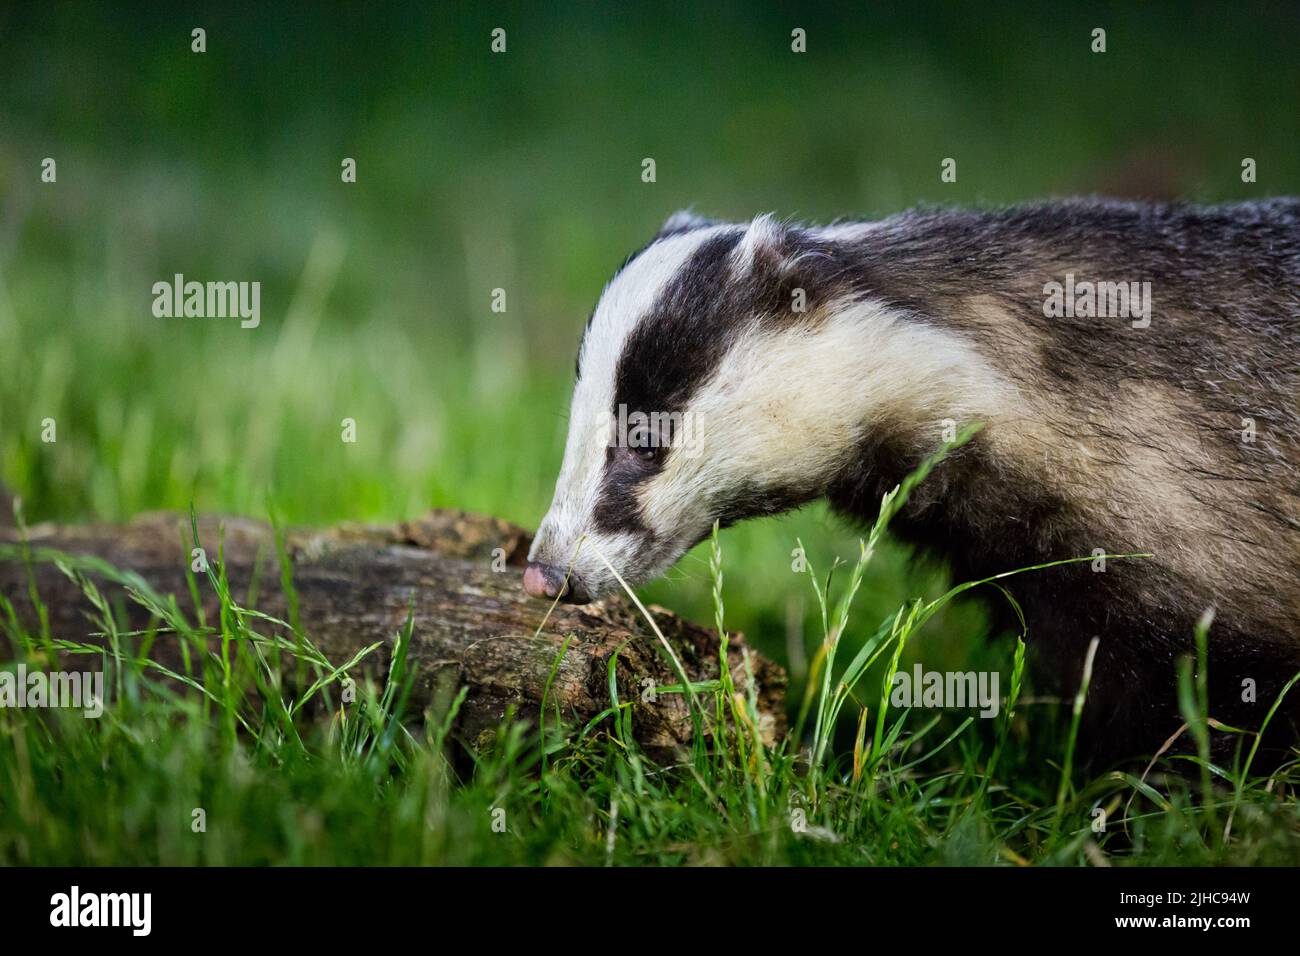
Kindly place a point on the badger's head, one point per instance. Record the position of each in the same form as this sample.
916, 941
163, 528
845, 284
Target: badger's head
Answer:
728, 371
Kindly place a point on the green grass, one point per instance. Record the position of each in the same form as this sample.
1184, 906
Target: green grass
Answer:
224, 764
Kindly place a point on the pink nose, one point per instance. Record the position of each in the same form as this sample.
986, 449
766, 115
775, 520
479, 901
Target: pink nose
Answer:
543, 580
548, 581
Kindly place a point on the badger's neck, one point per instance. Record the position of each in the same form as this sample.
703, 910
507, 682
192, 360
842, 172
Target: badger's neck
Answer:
799, 402
904, 386
844, 403
852, 401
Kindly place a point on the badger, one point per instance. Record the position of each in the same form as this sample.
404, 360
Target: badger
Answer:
1134, 370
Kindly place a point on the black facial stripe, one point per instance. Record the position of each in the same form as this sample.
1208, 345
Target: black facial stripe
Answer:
678, 344
674, 227
680, 341
690, 226
617, 508
683, 336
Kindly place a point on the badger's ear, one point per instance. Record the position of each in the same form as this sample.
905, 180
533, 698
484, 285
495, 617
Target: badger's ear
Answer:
684, 221
763, 246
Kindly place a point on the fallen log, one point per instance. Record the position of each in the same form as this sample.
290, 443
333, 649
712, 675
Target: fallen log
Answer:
354, 584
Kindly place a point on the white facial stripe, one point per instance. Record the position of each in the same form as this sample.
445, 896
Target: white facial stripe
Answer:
784, 408
624, 303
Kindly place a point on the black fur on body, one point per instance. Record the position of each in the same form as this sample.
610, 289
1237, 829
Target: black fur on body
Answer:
1132, 442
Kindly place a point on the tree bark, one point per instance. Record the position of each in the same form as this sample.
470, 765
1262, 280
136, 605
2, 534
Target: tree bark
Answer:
457, 573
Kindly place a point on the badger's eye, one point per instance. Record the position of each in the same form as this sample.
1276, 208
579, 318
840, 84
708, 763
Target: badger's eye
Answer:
648, 453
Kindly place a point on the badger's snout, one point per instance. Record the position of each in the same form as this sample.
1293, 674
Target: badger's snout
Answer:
548, 581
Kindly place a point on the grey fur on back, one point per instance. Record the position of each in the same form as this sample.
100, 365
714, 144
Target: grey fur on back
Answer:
1130, 422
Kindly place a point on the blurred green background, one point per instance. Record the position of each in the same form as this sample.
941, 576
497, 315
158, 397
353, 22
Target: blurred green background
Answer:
518, 171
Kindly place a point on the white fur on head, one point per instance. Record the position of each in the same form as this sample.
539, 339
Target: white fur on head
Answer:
784, 410
787, 407
624, 303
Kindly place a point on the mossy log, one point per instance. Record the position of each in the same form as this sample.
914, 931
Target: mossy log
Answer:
458, 574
